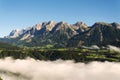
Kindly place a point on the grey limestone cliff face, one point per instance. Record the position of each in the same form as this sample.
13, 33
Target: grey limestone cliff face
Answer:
100, 34
70, 35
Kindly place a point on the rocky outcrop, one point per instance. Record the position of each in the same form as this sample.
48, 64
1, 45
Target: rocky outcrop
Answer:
62, 34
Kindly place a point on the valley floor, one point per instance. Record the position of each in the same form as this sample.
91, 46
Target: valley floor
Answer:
78, 55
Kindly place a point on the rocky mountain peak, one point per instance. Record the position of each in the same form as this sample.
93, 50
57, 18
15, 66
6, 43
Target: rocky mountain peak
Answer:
80, 26
60, 26
14, 33
79, 23
50, 25
98, 24
38, 26
51, 22
62, 33
116, 25
61, 23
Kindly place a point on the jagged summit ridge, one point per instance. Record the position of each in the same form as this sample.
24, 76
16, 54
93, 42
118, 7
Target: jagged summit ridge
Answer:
15, 33
41, 28
62, 34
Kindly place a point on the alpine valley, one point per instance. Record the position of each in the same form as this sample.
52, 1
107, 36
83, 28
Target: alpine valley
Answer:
58, 35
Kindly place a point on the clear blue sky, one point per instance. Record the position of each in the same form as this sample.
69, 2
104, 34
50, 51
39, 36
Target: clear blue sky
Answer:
18, 14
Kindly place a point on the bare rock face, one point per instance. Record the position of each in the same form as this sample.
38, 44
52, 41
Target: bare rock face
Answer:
15, 33
100, 34
116, 25
49, 26
64, 34
38, 26
80, 27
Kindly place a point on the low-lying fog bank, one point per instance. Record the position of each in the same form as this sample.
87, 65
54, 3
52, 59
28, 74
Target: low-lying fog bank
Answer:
30, 69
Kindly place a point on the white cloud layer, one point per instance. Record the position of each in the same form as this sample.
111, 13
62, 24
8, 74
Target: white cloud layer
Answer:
30, 69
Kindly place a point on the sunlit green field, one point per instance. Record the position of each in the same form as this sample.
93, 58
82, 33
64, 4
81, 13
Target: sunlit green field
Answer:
76, 54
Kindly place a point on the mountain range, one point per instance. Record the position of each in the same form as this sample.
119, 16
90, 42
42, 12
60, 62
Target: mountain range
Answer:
51, 34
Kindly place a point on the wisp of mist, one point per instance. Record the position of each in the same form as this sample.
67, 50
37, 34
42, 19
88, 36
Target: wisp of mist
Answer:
30, 69
114, 48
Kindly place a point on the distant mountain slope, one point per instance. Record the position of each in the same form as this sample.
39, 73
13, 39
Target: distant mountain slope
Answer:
62, 34
7, 46
100, 34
